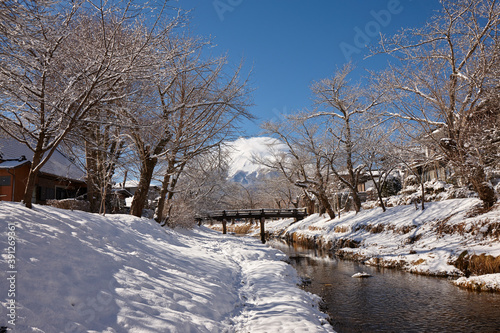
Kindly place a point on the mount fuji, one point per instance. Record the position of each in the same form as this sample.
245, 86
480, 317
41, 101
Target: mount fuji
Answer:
244, 151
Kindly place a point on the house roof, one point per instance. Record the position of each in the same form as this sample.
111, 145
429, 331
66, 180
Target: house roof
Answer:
12, 164
58, 165
123, 192
128, 184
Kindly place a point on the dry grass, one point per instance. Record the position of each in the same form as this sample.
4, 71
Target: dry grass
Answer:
484, 227
342, 228
477, 264
379, 228
243, 229
413, 238
303, 240
372, 228
376, 229
418, 262
479, 210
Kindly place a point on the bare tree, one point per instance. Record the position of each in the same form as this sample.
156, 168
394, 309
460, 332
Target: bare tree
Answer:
201, 187
58, 60
379, 156
97, 147
277, 192
195, 104
343, 103
200, 129
303, 164
441, 81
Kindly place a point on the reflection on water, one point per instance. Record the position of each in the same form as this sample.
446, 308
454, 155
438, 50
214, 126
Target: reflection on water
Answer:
391, 300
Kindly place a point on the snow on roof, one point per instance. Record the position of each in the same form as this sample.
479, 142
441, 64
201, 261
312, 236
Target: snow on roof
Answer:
12, 164
128, 184
58, 165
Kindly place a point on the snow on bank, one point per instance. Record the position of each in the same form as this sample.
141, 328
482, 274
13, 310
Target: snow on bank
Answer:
487, 282
80, 272
425, 242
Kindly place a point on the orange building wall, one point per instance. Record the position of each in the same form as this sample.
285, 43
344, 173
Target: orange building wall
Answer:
18, 179
21, 178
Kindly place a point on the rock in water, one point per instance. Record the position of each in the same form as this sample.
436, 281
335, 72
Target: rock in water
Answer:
361, 275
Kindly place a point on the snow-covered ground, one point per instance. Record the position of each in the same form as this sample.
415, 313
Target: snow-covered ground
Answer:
487, 282
81, 272
425, 242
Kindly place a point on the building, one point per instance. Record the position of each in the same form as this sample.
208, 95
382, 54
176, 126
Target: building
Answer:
59, 178
124, 194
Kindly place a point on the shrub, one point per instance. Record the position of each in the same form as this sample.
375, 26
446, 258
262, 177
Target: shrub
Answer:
70, 204
181, 215
391, 187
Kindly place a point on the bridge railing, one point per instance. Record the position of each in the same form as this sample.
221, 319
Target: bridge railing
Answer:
248, 213
262, 214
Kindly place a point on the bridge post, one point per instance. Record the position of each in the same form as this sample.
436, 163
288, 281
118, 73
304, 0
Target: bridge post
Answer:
224, 222
262, 229
224, 226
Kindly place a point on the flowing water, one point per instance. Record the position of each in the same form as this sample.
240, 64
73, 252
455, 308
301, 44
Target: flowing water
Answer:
391, 300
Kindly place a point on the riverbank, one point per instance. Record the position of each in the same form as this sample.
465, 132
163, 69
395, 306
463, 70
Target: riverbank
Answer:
448, 238
71, 271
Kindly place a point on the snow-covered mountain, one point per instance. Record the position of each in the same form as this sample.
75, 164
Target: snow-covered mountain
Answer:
244, 151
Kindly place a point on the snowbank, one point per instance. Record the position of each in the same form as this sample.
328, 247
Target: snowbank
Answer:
425, 242
487, 282
80, 272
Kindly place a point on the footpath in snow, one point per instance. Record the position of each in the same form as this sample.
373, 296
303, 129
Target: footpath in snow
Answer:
424, 242
81, 272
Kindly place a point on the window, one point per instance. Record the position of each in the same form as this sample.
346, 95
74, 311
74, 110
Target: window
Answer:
4, 180
64, 193
50, 193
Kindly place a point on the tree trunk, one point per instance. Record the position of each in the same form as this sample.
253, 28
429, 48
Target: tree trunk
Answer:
28, 191
379, 194
350, 168
325, 203
167, 189
482, 187
356, 200
163, 195
141, 194
378, 187
91, 161
148, 165
422, 189
30, 184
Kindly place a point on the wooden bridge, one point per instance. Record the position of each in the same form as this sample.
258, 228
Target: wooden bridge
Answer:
261, 214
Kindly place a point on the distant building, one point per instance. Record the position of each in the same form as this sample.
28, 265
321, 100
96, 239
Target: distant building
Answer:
125, 193
59, 178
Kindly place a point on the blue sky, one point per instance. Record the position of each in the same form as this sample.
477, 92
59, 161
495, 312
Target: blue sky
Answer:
291, 43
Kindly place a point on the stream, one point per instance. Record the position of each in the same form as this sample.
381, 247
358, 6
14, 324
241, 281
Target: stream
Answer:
390, 300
